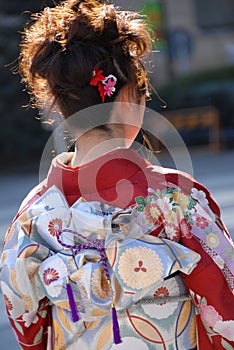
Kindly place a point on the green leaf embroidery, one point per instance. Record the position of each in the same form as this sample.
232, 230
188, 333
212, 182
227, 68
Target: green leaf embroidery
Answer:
226, 345
158, 193
192, 203
140, 200
203, 301
43, 313
170, 190
140, 208
38, 337
148, 200
18, 327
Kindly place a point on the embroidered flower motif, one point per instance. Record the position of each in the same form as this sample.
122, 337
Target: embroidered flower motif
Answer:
181, 199
8, 303
152, 214
209, 315
225, 328
185, 228
53, 279
212, 240
200, 196
55, 226
163, 310
140, 267
171, 218
219, 261
29, 318
165, 205
161, 292
172, 232
201, 222
50, 275
14, 304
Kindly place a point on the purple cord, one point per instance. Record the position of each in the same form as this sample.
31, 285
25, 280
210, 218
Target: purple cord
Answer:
98, 245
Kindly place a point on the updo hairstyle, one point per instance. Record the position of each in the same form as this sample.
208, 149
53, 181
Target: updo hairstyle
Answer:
62, 45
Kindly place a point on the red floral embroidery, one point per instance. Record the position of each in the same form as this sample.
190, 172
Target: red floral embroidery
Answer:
202, 222
140, 267
161, 293
172, 232
54, 226
185, 228
8, 303
50, 275
152, 214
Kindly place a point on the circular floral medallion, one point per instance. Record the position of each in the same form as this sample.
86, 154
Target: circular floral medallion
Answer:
172, 232
53, 277
152, 214
201, 222
140, 267
212, 240
181, 199
54, 226
50, 275
163, 310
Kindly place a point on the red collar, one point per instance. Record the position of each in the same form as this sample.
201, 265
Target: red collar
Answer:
106, 178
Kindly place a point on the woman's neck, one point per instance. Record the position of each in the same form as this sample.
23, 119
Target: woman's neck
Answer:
95, 143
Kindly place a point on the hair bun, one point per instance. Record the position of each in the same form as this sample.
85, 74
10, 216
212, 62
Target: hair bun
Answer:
65, 43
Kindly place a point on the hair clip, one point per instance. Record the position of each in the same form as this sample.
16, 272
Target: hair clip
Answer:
106, 85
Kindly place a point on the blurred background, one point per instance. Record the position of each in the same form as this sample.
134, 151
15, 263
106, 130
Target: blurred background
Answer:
192, 66
191, 69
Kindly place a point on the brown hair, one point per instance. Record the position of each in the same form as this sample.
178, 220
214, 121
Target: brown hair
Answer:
63, 45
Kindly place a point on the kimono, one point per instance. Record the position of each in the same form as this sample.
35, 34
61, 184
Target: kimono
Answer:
115, 254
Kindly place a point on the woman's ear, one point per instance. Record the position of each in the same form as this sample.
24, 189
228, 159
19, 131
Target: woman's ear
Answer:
129, 112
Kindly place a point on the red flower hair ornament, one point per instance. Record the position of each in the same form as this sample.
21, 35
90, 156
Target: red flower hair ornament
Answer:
106, 85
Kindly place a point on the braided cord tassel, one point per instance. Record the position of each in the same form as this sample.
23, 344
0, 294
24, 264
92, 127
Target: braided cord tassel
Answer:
99, 246
74, 311
115, 325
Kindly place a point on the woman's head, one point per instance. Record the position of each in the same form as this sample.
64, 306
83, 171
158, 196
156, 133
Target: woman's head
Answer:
64, 44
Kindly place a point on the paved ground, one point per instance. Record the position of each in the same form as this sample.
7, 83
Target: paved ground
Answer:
216, 171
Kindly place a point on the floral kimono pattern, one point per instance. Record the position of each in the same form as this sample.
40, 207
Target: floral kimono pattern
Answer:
169, 259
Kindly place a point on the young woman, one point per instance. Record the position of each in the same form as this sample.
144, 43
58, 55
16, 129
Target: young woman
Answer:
110, 252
